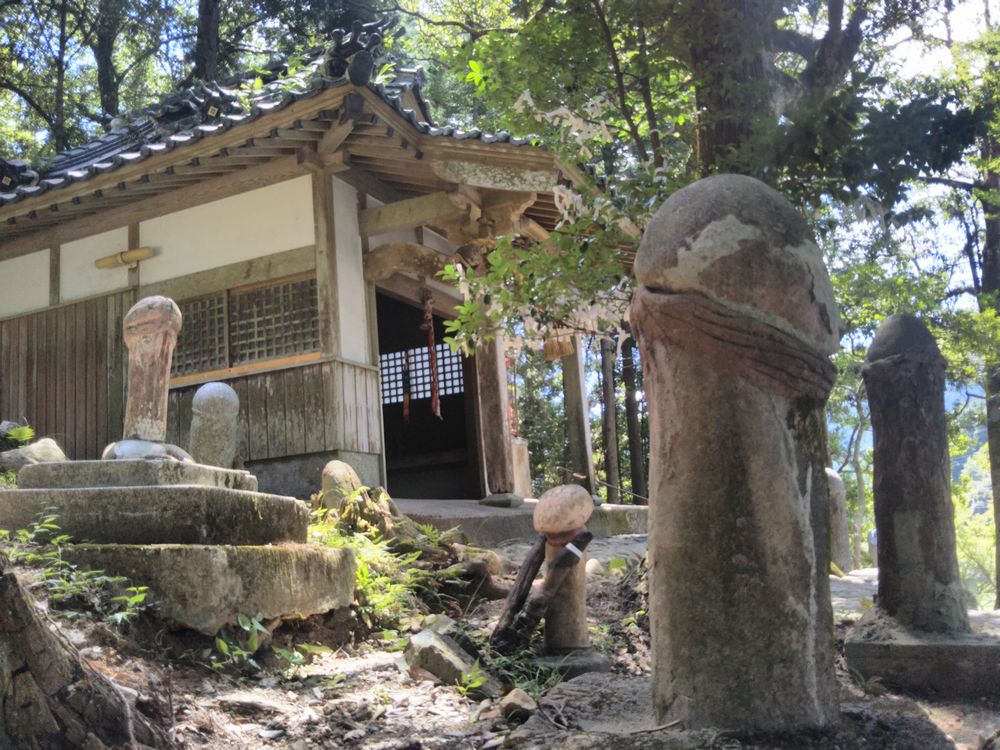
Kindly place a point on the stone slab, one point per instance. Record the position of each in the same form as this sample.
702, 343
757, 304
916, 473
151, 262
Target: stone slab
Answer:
205, 587
953, 668
160, 515
489, 527
132, 473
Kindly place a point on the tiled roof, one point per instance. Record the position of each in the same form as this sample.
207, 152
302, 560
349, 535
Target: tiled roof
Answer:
205, 110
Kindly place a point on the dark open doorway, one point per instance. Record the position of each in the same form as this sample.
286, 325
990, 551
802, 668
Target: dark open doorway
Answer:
426, 457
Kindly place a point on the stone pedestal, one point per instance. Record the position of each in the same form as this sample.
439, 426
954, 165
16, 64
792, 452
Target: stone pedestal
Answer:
735, 318
208, 546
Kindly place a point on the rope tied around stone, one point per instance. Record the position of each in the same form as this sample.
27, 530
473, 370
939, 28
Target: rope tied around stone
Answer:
770, 358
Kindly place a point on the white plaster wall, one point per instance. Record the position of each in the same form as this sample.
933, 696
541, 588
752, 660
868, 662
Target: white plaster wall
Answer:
261, 222
351, 292
24, 284
78, 277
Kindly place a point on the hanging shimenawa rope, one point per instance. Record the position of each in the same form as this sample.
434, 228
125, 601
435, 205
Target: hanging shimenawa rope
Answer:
428, 325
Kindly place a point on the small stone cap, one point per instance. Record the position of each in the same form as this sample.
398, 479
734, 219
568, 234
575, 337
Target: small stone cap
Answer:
216, 398
151, 315
563, 509
903, 333
741, 243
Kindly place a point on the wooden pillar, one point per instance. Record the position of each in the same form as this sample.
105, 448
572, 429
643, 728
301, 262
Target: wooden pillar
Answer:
326, 261
580, 454
55, 283
494, 424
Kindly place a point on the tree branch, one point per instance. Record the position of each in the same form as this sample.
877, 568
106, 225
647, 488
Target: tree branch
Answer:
609, 43
789, 40
957, 184
29, 100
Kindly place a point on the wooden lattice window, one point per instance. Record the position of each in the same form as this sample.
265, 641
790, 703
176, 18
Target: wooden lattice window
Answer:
391, 366
273, 321
201, 345
248, 324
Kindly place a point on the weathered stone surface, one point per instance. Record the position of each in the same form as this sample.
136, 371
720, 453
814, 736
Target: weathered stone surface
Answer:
132, 473
563, 510
503, 500
339, 481
840, 532
136, 450
206, 587
150, 332
918, 579
215, 411
742, 243
446, 660
517, 705
734, 317
40, 451
161, 515
960, 666
566, 627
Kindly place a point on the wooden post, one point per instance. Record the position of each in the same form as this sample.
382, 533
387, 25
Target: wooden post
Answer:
55, 290
581, 453
133, 242
491, 377
326, 261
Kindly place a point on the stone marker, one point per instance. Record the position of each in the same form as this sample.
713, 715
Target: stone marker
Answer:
215, 412
150, 332
45, 450
562, 512
735, 318
339, 481
840, 532
918, 580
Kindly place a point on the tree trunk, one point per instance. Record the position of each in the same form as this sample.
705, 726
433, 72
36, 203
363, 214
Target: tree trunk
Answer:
859, 478
106, 32
637, 461
52, 699
579, 455
990, 297
206, 49
609, 427
59, 133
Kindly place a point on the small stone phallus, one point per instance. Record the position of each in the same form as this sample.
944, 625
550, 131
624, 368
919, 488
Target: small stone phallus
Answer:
562, 512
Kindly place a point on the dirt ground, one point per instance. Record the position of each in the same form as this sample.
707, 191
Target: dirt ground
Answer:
361, 695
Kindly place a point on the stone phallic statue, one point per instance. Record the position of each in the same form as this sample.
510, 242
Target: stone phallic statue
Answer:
735, 318
150, 332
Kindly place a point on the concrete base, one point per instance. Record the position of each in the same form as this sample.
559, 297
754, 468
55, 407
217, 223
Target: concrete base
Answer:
952, 667
488, 526
503, 500
160, 515
131, 473
301, 476
206, 587
576, 663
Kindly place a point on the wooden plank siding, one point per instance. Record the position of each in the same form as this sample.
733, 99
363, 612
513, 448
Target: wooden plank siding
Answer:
312, 408
63, 372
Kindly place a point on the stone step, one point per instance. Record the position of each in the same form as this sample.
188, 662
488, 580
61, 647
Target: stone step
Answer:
205, 587
131, 473
160, 515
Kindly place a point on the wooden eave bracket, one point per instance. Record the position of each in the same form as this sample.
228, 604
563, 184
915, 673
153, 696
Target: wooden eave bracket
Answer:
438, 209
